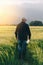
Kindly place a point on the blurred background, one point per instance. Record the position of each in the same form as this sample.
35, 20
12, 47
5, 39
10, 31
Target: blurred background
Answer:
11, 11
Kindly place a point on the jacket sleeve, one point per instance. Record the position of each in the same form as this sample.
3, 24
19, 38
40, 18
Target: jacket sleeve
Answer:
28, 32
16, 31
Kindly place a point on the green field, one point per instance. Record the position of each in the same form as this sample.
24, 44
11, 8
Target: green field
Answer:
8, 52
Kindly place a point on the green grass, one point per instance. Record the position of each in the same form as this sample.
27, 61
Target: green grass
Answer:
8, 51
34, 55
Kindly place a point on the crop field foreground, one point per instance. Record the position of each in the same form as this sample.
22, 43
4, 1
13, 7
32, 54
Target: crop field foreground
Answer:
8, 51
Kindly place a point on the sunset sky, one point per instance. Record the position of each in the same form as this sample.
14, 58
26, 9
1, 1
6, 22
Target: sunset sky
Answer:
13, 10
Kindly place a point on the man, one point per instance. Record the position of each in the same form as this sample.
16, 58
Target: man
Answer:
23, 36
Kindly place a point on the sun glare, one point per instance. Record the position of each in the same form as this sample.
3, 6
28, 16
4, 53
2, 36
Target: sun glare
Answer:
8, 12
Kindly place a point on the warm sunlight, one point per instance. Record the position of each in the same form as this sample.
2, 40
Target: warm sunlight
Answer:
12, 10
21, 32
8, 12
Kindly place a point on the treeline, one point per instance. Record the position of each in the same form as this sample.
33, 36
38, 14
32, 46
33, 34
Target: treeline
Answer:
36, 23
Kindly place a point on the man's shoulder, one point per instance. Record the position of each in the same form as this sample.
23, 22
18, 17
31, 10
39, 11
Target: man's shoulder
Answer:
26, 24
19, 23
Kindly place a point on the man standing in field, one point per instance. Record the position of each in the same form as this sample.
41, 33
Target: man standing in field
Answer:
23, 36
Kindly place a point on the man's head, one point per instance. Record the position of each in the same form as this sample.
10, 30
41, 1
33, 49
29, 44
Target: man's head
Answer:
24, 19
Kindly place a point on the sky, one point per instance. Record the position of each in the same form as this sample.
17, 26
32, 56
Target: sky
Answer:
11, 11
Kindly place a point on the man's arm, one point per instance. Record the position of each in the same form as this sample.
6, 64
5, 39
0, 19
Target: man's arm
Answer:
28, 33
16, 31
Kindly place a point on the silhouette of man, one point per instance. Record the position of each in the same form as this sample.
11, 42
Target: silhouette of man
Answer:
23, 36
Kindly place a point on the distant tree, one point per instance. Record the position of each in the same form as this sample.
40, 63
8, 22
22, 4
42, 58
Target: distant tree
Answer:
36, 23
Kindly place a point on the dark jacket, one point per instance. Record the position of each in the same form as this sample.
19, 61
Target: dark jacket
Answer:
22, 31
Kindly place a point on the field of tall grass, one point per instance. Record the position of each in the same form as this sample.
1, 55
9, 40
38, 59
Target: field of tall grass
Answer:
8, 51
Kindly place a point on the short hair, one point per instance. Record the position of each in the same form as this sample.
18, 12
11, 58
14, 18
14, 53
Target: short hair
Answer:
24, 19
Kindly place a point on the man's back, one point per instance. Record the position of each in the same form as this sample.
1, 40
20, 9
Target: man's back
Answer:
22, 31
23, 36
